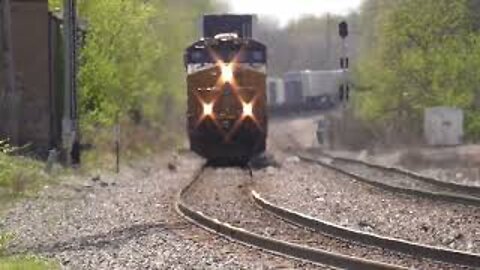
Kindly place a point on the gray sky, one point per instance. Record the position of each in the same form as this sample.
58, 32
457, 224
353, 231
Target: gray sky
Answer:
286, 10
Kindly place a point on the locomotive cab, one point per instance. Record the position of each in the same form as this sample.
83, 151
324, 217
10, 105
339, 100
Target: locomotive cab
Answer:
226, 88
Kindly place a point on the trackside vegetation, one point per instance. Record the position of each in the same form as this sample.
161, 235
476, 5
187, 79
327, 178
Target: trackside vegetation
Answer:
417, 54
131, 67
19, 176
22, 262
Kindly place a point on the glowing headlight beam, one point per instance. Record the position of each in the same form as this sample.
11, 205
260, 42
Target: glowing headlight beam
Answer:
227, 72
247, 109
207, 109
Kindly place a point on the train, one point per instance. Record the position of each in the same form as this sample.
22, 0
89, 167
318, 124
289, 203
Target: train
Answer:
306, 90
227, 119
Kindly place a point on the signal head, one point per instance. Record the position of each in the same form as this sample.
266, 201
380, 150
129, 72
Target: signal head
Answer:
343, 29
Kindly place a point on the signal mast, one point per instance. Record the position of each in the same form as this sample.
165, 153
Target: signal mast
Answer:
344, 91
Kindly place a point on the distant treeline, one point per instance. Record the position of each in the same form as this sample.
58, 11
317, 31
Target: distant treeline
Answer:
407, 55
308, 43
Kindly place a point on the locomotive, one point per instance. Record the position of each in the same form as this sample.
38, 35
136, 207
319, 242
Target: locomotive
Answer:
226, 89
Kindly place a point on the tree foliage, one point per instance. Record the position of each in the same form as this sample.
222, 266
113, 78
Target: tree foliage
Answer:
117, 73
418, 54
131, 62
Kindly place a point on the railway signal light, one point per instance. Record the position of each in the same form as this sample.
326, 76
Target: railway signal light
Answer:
344, 92
341, 93
344, 63
343, 29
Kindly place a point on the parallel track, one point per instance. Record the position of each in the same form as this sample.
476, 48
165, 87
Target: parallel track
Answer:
414, 249
284, 248
397, 180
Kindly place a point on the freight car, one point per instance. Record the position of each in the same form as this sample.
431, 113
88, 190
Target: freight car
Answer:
275, 92
313, 89
226, 81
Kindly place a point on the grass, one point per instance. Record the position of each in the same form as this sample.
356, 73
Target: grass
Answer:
136, 142
19, 177
24, 262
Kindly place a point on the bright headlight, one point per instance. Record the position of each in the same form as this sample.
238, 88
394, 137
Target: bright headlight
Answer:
207, 109
247, 109
227, 73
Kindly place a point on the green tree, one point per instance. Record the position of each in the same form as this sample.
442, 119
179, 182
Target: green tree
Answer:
176, 25
131, 67
423, 54
132, 59
118, 72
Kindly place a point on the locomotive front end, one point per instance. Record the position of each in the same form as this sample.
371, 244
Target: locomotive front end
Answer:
226, 81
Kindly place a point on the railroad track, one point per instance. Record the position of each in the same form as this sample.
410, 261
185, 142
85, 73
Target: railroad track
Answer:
414, 249
240, 219
396, 179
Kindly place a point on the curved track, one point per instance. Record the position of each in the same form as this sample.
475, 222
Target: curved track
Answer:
396, 179
288, 240
414, 249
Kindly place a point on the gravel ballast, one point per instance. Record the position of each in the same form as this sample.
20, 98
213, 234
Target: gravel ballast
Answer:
399, 179
458, 165
126, 222
469, 176
224, 194
334, 197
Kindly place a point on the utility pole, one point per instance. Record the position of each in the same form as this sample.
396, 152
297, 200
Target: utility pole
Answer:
70, 124
10, 99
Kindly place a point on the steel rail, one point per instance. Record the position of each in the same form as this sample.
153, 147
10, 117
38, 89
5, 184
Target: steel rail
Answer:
450, 197
467, 189
406, 247
279, 247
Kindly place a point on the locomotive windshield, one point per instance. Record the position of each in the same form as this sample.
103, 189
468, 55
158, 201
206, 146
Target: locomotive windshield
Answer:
240, 53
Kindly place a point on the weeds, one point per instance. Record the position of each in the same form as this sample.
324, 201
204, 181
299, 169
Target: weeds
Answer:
29, 262
19, 176
4, 239
26, 262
